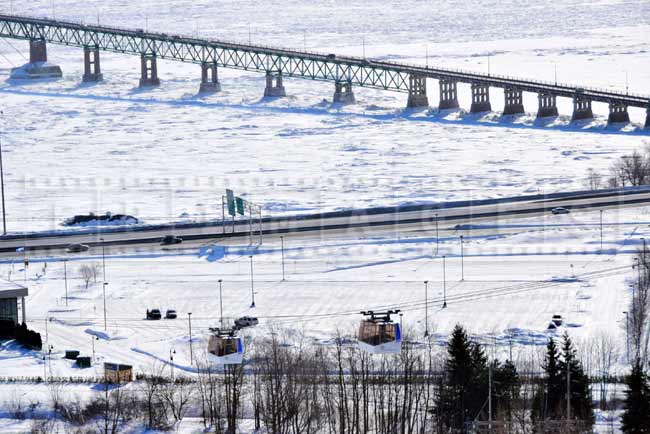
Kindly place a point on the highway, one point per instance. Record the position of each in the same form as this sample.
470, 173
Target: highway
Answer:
378, 221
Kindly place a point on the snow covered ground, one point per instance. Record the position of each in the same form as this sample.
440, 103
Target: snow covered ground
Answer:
164, 153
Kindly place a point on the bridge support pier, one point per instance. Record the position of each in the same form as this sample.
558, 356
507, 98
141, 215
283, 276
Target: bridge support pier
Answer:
209, 79
647, 118
92, 68
547, 106
514, 101
343, 93
417, 92
581, 108
448, 95
618, 113
274, 90
38, 66
149, 70
480, 98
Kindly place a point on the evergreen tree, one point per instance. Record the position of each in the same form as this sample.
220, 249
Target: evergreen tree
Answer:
548, 398
506, 387
465, 387
636, 417
581, 401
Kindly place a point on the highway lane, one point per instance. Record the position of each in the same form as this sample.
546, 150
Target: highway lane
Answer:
324, 226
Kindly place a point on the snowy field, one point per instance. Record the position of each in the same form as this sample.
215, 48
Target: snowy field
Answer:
165, 153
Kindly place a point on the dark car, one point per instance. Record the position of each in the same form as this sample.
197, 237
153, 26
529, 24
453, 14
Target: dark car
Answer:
560, 210
77, 248
246, 321
153, 314
171, 314
331, 56
169, 240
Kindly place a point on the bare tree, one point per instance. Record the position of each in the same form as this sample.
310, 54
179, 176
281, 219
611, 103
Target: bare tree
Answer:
594, 179
632, 169
87, 273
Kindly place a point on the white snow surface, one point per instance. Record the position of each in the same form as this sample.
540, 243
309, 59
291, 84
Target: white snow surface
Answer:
160, 154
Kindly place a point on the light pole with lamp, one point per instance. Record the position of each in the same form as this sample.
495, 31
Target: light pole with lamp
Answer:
2, 184
93, 338
252, 287
220, 304
462, 260
189, 320
444, 282
426, 308
282, 248
65, 278
105, 283
171, 361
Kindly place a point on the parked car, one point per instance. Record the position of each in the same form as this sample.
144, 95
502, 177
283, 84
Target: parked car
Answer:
153, 314
170, 314
559, 210
246, 321
331, 56
77, 248
557, 320
169, 240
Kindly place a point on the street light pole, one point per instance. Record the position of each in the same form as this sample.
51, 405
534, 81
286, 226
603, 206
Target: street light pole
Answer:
437, 237
220, 304
601, 231
93, 338
171, 361
105, 283
189, 320
252, 287
65, 277
426, 308
2, 184
282, 243
462, 260
444, 282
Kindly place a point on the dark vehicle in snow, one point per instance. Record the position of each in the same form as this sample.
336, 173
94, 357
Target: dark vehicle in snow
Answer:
77, 248
246, 321
153, 314
169, 240
171, 314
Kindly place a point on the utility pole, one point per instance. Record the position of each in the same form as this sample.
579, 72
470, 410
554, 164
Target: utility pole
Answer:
426, 308
490, 397
282, 247
252, 288
220, 304
171, 361
2, 183
462, 260
189, 320
65, 277
444, 282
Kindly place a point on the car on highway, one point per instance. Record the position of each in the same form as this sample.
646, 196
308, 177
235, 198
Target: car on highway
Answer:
559, 210
153, 314
169, 240
77, 248
171, 314
246, 321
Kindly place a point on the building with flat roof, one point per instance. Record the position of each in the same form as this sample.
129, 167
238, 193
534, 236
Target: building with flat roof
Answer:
10, 295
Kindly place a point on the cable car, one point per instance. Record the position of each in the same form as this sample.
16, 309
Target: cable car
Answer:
378, 334
225, 348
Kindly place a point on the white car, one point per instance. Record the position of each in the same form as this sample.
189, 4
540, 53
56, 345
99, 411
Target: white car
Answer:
559, 210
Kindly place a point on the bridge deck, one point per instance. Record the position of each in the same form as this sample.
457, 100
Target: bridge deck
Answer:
316, 66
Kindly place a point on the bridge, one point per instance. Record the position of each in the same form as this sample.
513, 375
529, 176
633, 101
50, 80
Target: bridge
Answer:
344, 71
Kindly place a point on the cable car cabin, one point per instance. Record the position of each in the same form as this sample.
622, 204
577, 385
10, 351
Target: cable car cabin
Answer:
378, 334
225, 348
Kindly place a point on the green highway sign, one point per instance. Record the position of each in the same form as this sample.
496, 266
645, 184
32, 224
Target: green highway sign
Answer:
240, 205
230, 195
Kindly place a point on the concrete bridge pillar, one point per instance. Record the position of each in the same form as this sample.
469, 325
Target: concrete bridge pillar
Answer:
149, 70
480, 98
92, 68
274, 90
581, 108
448, 95
417, 92
37, 51
617, 113
647, 118
514, 101
547, 105
209, 78
343, 93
